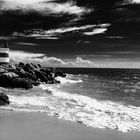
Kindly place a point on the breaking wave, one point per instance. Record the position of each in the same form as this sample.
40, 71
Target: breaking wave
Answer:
78, 108
68, 79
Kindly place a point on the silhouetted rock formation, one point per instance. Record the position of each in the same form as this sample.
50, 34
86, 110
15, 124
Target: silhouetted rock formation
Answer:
27, 75
60, 73
4, 99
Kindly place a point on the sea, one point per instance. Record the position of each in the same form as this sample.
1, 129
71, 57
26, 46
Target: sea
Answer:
94, 97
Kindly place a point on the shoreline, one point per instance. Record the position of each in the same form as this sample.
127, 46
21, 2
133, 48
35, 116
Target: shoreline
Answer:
31, 125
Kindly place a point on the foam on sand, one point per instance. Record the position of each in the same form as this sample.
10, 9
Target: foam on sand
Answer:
79, 108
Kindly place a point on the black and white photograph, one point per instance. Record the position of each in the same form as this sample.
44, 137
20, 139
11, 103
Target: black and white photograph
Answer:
69, 69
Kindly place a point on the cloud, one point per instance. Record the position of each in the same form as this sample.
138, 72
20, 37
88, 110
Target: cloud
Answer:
131, 1
96, 31
21, 56
55, 33
79, 62
115, 37
136, 1
45, 7
99, 30
18, 55
26, 43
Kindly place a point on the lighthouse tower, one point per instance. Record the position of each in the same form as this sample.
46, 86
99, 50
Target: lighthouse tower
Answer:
4, 54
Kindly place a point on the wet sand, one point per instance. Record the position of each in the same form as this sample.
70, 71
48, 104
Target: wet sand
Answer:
39, 126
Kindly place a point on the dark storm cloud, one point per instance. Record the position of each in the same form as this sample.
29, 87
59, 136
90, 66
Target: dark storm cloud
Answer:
122, 16
24, 14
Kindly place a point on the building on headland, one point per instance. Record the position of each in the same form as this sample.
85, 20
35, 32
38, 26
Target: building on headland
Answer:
4, 53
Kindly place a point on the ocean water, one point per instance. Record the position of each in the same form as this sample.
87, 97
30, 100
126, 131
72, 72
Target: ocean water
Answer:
101, 99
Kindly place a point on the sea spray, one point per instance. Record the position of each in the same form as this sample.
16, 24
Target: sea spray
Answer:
78, 108
68, 80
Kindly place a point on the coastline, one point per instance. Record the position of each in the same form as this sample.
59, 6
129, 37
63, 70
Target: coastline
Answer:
25, 125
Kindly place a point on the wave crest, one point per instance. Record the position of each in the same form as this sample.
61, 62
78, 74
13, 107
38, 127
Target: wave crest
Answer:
78, 108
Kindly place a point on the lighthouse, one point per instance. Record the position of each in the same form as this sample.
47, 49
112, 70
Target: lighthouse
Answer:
4, 54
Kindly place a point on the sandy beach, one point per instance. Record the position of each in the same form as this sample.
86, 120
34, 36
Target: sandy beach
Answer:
39, 126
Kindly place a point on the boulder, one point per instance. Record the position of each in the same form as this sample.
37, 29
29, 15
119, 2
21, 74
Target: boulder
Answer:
39, 65
33, 82
4, 99
46, 70
6, 78
60, 73
20, 83
34, 65
10, 75
27, 75
20, 70
21, 64
28, 67
2, 70
41, 76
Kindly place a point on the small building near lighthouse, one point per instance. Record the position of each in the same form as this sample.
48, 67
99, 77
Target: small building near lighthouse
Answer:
4, 54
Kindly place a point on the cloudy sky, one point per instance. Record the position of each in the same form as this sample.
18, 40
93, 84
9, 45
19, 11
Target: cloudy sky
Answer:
77, 33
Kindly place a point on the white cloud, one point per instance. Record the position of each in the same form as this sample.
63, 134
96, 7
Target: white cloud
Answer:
46, 34
26, 43
96, 31
79, 62
136, 1
17, 55
54, 33
21, 56
22, 2
69, 29
102, 28
44, 7
131, 1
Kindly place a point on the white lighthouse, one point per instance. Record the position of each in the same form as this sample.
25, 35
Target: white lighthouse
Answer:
4, 54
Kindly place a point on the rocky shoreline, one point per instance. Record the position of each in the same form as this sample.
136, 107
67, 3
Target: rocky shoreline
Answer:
25, 76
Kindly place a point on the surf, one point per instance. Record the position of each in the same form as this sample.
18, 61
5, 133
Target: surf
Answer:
54, 101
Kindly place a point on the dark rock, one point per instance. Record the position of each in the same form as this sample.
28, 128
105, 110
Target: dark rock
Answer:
41, 76
20, 83
20, 70
34, 65
39, 65
32, 76
21, 64
33, 82
28, 67
46, 70
6, 78
10, 75
60, 73
4, 99
27, 75
2, 71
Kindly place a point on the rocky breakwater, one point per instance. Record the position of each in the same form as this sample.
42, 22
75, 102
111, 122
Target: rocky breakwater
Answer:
25, 76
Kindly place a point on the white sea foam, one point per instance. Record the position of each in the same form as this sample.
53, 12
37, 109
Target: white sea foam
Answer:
68, 80
79, 108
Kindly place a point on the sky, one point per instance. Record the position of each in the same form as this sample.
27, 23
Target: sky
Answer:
72, 33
